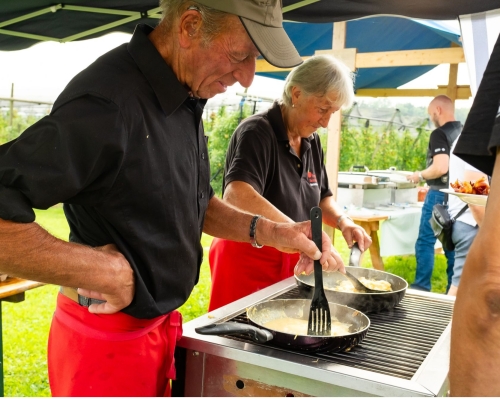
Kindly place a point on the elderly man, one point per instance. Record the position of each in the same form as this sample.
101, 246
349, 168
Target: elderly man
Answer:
442, 113
124, 150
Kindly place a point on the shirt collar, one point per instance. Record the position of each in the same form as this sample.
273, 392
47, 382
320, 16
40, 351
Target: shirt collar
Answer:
169, 91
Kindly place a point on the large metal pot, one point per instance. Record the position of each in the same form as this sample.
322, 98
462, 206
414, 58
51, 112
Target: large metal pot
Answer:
364, 302
266, 311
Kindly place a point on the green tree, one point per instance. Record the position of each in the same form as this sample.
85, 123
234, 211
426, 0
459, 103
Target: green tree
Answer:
222, 128
20, 122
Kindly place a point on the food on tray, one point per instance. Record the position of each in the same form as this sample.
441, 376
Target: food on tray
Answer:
478, 187
291, 325
346, 285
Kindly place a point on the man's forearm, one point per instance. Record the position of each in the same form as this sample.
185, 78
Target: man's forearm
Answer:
30, 252
475, 333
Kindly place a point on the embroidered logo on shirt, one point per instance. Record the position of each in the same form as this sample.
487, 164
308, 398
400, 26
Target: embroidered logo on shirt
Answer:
439, 150
311, 179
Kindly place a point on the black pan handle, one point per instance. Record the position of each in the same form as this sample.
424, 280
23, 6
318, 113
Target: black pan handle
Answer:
228, 328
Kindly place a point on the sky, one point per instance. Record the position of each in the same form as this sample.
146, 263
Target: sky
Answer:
42, 71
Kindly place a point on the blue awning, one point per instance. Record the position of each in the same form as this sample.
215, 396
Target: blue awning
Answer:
375, 34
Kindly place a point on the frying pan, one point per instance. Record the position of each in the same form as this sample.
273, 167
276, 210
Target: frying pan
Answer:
266, 311
364, 302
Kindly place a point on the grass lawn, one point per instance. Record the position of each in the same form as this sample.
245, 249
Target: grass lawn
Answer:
26, 324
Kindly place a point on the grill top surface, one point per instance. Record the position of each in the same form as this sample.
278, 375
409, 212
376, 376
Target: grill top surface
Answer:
398, 340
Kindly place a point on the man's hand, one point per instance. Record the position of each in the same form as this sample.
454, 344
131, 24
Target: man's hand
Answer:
296, 237
122, 294
415, 178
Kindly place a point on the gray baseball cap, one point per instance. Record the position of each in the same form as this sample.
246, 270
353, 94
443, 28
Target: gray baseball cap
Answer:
263, 21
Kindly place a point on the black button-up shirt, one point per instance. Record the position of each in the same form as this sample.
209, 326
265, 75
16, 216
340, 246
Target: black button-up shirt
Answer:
124, 150
260, 154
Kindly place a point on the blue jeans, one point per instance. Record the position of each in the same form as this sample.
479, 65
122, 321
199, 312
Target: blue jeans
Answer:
462, 236
424, 248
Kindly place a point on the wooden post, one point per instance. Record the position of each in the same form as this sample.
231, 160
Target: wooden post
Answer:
334, 127
451, 90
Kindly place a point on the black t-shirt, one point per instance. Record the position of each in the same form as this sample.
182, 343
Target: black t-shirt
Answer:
124, 150
260, 154
440, 142
481, 134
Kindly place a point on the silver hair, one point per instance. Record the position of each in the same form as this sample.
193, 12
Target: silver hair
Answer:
319, 76
213, 20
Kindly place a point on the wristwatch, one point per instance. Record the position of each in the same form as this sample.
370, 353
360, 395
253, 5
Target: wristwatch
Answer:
420, 177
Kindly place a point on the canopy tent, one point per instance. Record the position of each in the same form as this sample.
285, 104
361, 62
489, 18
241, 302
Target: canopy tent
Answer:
26, 22
390, 33
480, 32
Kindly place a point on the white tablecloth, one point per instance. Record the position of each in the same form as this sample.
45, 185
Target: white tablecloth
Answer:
399, 233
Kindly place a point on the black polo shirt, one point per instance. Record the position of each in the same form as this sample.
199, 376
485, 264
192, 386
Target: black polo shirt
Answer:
260, 154
440, 142
124, 150
481, 134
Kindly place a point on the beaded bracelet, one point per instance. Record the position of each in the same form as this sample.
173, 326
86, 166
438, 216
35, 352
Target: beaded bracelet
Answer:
253, 226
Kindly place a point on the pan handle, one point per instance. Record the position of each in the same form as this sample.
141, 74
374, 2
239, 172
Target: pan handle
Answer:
259, 335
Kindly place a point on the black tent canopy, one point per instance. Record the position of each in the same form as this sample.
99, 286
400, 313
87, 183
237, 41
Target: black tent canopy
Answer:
26, 22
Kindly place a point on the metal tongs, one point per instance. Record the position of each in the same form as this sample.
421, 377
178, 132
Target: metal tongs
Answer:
354, 259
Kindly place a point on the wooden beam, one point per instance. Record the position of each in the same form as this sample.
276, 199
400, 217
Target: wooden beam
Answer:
463, 92
339, 35
405, 58
335, 124
451, 91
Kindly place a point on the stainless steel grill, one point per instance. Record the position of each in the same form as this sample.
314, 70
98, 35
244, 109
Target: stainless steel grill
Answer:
405, 352
397, 342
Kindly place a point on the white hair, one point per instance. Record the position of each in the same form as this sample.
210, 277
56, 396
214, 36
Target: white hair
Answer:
321, 75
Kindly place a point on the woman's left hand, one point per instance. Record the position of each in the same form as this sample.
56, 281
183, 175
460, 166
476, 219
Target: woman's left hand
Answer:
353, 233
330, 260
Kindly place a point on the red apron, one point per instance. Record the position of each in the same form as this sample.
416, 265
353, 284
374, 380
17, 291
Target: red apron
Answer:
238, 269
95, 355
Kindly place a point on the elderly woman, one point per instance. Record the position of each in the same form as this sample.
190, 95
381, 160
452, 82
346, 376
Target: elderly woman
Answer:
275, 168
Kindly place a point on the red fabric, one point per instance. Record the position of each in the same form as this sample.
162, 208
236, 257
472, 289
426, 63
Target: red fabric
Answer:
238, 269
115, 355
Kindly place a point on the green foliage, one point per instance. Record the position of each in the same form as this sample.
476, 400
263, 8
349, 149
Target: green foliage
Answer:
381, 149
222, 127
9, 132
375, 148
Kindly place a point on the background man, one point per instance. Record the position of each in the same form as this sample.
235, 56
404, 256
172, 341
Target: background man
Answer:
442, 113
124, 149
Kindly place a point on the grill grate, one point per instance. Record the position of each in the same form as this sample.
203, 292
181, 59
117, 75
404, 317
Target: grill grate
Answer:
397, 342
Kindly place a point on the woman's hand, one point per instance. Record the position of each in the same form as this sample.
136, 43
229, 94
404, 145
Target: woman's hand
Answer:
330, 259
296, 237
353, 233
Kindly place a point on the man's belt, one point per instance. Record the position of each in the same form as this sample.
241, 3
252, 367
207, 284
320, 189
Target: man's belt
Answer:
72, 294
